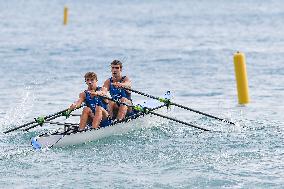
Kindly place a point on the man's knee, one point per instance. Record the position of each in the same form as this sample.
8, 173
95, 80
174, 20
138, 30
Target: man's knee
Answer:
113, 105
124, 100
86, 110
98, 109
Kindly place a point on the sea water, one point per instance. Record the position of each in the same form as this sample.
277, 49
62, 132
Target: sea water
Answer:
186, 47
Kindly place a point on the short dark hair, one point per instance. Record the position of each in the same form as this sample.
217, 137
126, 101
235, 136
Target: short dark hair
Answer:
116, 62
91, 75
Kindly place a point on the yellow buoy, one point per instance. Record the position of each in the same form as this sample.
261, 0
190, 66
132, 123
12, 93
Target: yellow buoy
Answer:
65, 19
241, 78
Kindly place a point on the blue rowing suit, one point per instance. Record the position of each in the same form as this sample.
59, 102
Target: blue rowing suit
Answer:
92, 102
118, 93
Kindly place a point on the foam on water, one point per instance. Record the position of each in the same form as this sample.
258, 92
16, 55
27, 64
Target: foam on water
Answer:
19, 112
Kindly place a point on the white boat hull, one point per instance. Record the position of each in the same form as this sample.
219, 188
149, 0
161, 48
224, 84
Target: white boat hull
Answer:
62, 139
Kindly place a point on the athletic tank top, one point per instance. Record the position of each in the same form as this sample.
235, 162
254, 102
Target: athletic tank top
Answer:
92, 102
118, 93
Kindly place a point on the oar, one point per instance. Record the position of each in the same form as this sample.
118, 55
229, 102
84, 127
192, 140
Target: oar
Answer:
10, 130
40, 120
35, 121
167, 101
65, 113
150, 111
178, 121
41, 123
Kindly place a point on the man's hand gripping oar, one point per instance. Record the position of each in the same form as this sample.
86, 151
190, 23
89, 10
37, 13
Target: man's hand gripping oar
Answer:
178, 105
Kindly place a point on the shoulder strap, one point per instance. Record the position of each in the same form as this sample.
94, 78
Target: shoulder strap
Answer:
123, 77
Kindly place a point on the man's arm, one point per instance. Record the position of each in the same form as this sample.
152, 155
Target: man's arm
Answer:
126, 83
105, 88
103, 91
79, 102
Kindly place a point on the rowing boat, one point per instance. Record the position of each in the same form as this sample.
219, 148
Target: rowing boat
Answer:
70, 135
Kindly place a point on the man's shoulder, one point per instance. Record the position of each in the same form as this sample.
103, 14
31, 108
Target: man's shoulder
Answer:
107, 80
83, 93
125, 77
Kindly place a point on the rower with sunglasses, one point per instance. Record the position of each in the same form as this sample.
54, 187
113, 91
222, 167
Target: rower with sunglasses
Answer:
114, 86
95, 113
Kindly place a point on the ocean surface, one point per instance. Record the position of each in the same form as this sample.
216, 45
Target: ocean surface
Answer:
186, 47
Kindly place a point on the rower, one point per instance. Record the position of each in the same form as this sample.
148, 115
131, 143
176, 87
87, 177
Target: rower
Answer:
96, 110
114, 85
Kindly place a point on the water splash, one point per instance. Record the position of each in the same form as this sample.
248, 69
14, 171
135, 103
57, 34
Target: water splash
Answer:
20, 111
